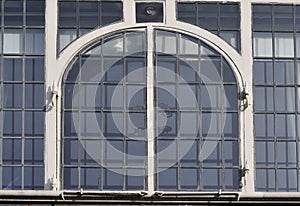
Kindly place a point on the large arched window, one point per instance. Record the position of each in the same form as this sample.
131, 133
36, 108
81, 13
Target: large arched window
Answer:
149, 110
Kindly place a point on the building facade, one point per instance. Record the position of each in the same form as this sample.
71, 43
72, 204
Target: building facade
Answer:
145, 102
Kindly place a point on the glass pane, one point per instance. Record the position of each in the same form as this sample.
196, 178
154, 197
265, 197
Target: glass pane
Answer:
262, 44
34, 124
287, 180
12, 69
65, 36
167, 124
210, 70
11, 151
91, 69
13, 95
285, 99
136, 125
212, 125
34, 152
167, 179
229, 16
35, 11
70, 152
11, 178
189, 152
186, 12
288, 155
114, 96
188, 96
189, 178
67, 14
90, 152
166, 97
264, 125
34, 69
263, 72
286, 126
13, 41
135, 43
113, 124
113, 69
135, 69
89, 14
34, 96
188, 69
113, 46
114, 152
262, 17
135, 179
212, 179
265, 180
188, 45
230, 97
165, 42
166, 69
231, 125
189, 124
12, 123
167, 152
265, 154
90, 178
231, 37
264, 99
283, 18
71, 124
35, 41
70, 178
208, 16
211, 97
90, 96
113, 180
230, 180
33, 178
111, 12
284, 45
90, 124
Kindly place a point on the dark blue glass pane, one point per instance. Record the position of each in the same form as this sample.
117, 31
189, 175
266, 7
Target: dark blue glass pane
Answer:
33, 178
12, 69
283, 18
262, 17
186, 12
67, 14
111, 12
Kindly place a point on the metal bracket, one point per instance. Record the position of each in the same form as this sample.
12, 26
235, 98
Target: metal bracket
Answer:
244, 100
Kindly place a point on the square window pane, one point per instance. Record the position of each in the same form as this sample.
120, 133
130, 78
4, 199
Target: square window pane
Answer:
207, 16
114, 152
89, 14
284, 72
33, 178
71, 127
136, 98
263, 72
166, 96
136, 125
65, 36
288, 155
189, 179
136, 153
229, 16
113, 179
188, 96
287, 180
90, 69
34, 124
114, 96
210, 70
285, 99
11, 178
91, 96
13, 94
286, 126
265, 180
211, 153
188, 69
113, 46
114, 124
167, 125
188, 45
13, 41
264, 125
167, 179
283, 18
189, 124
284, 45
11, 151
212, 179
186, 12
135, 43
90, 124
90, 152
12, 123
166, 42
265, 154
264, 99
67, 14
230, 97
230, 125
12, 69
167, 152
262, 44
70, 152
90, 178
70, 178
35, 41
35, 11
113, 69
34, 69
135, 179
135, 70
262, 17
34, 96
166, 69
211, 97
212, 125
111, 12
231, 153
34, 152
189, 152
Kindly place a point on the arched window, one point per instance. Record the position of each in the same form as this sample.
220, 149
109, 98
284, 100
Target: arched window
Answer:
150, 109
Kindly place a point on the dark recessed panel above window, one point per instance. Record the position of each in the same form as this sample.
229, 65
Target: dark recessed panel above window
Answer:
149, 12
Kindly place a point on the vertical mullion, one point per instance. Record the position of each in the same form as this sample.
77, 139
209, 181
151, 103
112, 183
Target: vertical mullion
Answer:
150, 110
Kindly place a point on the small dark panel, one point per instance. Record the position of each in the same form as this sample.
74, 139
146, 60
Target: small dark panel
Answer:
149, 12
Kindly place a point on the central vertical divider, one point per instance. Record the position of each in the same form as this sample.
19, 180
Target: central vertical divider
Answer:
150, 111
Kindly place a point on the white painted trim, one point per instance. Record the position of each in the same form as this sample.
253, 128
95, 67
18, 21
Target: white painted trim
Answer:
51, 125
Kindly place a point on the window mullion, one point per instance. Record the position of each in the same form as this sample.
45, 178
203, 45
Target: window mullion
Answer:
150, 112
